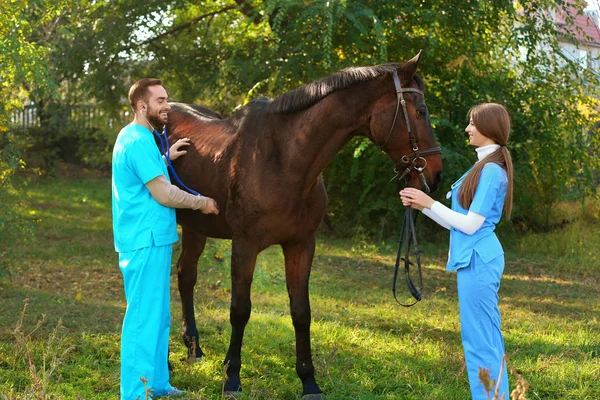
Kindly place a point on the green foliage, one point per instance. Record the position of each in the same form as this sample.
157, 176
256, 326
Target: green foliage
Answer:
224, 54
95, 147
23, 64
44, 364
15, 223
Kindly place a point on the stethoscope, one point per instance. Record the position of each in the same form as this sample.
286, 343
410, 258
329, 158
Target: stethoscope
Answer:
166, 150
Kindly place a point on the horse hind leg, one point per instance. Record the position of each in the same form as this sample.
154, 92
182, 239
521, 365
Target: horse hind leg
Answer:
298, 263
192, 246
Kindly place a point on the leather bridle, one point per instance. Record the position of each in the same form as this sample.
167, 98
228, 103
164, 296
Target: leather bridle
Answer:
415, 160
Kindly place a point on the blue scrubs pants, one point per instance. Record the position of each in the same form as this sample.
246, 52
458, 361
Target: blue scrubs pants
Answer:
478, 286
145, 334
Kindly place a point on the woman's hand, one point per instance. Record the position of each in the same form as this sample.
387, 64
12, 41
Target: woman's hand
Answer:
416, 199
175, 152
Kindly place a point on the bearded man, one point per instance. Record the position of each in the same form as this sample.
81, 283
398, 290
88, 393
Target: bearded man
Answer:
144, 229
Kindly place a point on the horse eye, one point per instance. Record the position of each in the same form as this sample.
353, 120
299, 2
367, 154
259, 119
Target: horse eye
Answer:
422, 113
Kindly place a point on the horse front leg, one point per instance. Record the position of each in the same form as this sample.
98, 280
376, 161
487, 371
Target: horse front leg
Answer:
192, 246
243, 262
298, 263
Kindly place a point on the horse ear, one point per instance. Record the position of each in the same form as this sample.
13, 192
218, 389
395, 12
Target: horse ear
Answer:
409, 69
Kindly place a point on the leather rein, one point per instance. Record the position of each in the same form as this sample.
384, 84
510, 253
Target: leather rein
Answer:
408, 235
413, 161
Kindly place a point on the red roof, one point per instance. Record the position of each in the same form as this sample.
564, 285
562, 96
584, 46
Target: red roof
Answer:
584, 28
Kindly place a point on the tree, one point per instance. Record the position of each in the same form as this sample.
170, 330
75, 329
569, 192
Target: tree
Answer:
21, 63
223, 53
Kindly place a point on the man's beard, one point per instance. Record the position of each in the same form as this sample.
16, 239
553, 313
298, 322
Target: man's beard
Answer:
154, 119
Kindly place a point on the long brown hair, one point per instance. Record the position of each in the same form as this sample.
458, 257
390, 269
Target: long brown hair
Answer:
492, 121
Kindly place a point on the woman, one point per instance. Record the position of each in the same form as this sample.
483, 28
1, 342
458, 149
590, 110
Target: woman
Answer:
478, 199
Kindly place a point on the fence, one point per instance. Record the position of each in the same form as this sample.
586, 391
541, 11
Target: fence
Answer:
78, 116
77, 134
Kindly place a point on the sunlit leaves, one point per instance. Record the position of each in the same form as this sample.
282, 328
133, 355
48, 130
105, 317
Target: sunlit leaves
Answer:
224, 53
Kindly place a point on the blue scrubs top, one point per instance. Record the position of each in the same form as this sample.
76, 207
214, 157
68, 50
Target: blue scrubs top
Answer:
139, 220
488, 201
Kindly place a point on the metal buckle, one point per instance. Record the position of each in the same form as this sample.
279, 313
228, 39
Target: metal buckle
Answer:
417, 167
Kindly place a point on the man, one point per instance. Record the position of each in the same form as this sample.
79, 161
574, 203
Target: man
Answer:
144, 227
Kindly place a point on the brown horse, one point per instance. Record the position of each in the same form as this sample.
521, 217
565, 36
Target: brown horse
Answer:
263, 167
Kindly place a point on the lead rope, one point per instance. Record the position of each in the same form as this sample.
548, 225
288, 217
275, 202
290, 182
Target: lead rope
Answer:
408, 236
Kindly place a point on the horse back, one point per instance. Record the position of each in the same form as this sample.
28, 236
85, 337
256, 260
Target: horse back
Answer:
241, 163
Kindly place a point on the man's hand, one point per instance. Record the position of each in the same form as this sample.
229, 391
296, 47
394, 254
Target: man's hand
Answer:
211, 207
175, 150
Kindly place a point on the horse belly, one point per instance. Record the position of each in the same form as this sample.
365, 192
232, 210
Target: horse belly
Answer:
284, 220
214, 226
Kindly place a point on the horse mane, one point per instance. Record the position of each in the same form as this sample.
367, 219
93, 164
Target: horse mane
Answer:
197, 110
309, 94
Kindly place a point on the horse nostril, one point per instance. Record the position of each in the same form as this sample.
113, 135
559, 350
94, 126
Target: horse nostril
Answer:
439, 177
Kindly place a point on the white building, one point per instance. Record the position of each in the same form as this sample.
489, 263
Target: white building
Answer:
583, 43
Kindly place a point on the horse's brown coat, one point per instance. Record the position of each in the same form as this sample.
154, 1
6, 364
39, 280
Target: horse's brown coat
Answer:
263, 168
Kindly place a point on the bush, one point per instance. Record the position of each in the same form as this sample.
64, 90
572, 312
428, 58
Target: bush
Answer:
14, 224
43, 146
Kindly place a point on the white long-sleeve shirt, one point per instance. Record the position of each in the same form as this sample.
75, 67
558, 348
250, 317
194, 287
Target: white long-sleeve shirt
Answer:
446, 217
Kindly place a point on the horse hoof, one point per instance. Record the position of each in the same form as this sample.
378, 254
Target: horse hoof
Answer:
232, 395
316, 396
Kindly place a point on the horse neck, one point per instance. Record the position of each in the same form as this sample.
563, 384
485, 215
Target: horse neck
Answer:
320, 132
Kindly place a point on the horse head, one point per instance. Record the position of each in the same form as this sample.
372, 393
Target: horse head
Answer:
401, 127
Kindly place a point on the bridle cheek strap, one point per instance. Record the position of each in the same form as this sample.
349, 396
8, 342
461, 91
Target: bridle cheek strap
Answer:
401, 102
412, 160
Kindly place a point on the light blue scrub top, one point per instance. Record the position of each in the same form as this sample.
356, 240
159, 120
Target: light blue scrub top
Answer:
488, 201
139, 220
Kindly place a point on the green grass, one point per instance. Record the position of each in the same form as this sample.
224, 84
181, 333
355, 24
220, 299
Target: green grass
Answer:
365, 346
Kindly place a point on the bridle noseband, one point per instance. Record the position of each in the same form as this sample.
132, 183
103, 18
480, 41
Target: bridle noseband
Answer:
415, 160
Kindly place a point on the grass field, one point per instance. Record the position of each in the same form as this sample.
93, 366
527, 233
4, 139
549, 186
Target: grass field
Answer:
62, 307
